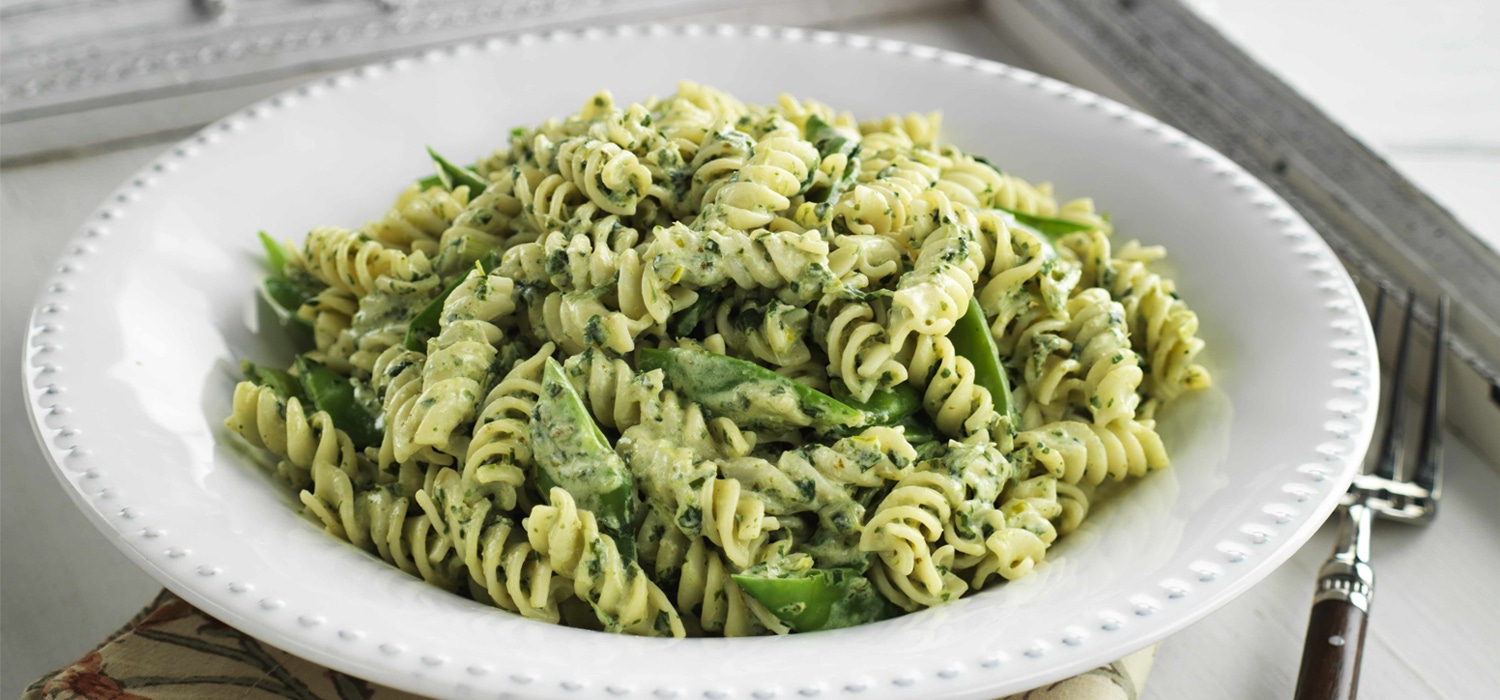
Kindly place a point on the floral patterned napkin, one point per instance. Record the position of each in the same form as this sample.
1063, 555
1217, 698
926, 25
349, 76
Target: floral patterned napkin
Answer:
173, 651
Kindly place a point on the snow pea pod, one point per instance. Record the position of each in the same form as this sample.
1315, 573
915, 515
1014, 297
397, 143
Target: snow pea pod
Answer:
452, 176
334, 394
819, 599
284, 384
687, 320
428, 322
972, 340
284, 294
829, 141
1040, 224
747, 393
885, 407
1049, 227
571, 452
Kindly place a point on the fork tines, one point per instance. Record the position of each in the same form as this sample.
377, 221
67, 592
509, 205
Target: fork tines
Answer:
1386, 490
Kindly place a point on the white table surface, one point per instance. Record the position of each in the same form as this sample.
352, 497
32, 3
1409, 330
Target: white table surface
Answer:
1423, 89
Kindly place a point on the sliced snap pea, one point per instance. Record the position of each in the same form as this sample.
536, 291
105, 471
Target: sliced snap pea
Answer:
284, 294
284, 384
428, 322
747, 393
971, 339
1050, 227
454, 175
829, 141
429, 182
334, 394
919, 430
1042, 224
276, 255
688, 319
819, 599
571, 452
885, 407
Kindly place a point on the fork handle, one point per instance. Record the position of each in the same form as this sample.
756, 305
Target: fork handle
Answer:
1331, 652
1336, 628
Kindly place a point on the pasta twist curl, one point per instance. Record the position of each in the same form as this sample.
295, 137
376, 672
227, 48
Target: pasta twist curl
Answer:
457, 369
502, 564
852, 331
1075, 452
621, 594
499, 455
351, 261
419, 217
611, 177
1162, 328
761, 259
781, 166
282, 426
707, 596
958, 406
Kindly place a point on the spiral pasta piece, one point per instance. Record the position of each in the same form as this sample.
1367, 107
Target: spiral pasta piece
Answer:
351, 261
780, 167
1099, 338
621, 594
499, 454
754, 260
772, 332
611, 177
419, 217
282, 426
457, 367
936, 293
852, 329
1076, 452
483, 224
1162, 328
331, 312
500, 560
901, 531
958, 406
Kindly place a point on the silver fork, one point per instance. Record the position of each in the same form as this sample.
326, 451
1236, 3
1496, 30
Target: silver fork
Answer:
1346, 583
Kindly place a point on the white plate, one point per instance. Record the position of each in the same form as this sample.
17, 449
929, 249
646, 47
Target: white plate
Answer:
134, 342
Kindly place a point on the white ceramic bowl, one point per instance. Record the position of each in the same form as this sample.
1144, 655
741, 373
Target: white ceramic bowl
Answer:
135, 338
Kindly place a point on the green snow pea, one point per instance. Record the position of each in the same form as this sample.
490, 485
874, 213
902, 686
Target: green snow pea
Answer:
1040, 224
885, 407
284, 384
687, 320
747, 393
285, 294
429, 182
572, 453
971, 339
427, 322
819, 599
1051, 228
334, 394
829, 141
919, 429
454, 175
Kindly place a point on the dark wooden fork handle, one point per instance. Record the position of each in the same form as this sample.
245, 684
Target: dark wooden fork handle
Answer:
1331, 652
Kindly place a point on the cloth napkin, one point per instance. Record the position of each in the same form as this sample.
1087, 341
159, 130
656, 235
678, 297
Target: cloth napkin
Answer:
173, 651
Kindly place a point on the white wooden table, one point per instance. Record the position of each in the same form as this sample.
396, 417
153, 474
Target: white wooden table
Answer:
1424, 93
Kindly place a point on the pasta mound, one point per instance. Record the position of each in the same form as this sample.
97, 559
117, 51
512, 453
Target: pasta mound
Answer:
698, 367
